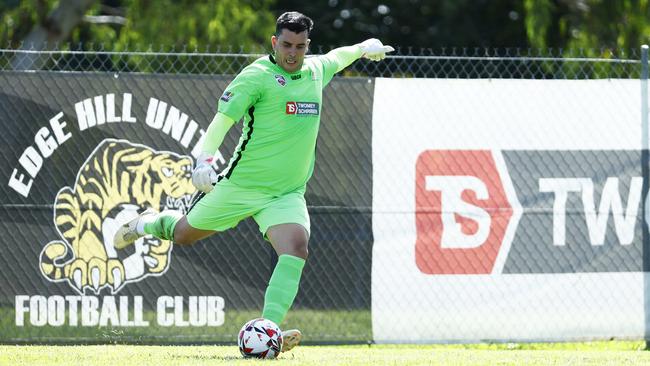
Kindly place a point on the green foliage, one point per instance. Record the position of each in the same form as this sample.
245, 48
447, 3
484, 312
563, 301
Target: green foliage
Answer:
599, 28
19, 17
196, 24
538, 20
143, 25
554, 28
169, 23
417, 23
604, 26
590, 28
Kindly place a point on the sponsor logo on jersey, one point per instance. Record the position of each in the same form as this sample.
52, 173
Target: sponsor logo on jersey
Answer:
490, 212
302, 108
281, 80
227, 95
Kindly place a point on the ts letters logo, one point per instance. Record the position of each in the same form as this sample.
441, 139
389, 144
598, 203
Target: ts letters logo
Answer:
466, 212
291, 108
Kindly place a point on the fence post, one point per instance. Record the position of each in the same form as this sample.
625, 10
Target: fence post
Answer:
644, 172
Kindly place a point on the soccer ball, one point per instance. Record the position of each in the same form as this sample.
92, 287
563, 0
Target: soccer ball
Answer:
260, 338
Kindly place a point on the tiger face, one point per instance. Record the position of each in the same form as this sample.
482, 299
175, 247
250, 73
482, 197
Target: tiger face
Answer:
117, 181
174, 179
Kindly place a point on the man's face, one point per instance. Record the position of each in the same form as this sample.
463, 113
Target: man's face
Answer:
290, 49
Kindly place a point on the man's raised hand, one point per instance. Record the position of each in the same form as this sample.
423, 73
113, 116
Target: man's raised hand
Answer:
374, 50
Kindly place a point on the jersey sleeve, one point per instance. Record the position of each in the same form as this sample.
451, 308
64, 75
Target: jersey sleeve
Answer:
240, 94
215, 133
337, 60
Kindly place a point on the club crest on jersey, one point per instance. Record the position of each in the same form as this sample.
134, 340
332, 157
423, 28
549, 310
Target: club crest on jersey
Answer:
226, 96
281, 80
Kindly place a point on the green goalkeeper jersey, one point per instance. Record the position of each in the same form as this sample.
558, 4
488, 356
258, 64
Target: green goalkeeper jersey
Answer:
281, 111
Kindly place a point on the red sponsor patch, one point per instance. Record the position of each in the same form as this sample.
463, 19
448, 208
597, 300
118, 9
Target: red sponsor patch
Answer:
462, 212
291, 108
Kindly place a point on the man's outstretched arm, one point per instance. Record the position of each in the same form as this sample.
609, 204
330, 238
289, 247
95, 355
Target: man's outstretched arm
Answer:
371, 49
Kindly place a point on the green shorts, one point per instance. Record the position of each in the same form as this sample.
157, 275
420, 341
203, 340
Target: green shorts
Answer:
227, 204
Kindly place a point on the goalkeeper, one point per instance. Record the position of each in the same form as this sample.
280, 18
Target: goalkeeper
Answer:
280, 99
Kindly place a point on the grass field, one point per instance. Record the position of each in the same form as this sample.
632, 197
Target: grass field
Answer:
322, 325
596, 354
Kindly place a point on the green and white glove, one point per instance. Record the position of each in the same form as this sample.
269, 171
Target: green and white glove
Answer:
204, 175
374, 50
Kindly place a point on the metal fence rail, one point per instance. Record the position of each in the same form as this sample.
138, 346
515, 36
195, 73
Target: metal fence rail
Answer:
461, 63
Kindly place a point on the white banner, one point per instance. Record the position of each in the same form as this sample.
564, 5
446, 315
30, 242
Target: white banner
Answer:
506, 210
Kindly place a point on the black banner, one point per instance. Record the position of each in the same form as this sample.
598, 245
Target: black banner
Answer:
82, 151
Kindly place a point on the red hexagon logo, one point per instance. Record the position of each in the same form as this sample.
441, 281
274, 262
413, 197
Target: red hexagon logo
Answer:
462, 212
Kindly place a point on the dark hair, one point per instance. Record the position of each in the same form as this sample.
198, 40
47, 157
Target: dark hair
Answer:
293, 21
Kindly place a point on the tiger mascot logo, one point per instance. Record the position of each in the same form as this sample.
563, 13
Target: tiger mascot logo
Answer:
118, 180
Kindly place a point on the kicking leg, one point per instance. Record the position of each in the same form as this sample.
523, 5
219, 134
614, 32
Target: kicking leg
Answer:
166, 225
185, 234
290, 243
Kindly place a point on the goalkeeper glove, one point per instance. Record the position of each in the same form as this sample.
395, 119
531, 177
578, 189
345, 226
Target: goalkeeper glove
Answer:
204, 175
374, 50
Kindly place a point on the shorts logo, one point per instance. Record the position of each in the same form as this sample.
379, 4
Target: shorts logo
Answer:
227, 96
302, 108
281, 80
118, 180
462, 212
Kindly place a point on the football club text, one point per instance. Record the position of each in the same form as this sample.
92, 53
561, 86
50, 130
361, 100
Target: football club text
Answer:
122, 311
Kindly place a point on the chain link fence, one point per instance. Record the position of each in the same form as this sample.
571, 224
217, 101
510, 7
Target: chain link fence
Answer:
462, 63
334, 303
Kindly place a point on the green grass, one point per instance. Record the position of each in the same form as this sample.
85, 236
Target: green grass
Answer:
596, 354
318, 326
321, 325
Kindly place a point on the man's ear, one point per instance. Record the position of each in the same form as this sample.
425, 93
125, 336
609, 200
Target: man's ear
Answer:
274, 41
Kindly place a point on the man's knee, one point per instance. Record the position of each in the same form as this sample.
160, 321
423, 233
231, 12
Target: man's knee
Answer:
182, 238
184, 234
289, 239
300, 248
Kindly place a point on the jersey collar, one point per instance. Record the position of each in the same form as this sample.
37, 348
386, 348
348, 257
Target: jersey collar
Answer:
297, 74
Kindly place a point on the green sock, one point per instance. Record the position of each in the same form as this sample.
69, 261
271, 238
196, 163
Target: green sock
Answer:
283, 287
162, 224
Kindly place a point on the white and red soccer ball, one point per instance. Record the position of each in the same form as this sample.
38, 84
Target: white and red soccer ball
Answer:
260, 338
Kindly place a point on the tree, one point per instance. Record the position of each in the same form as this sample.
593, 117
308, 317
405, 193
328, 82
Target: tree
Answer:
54, 28
600, 28
136, 24
193, 24
414, 23
589, 24
603, 26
